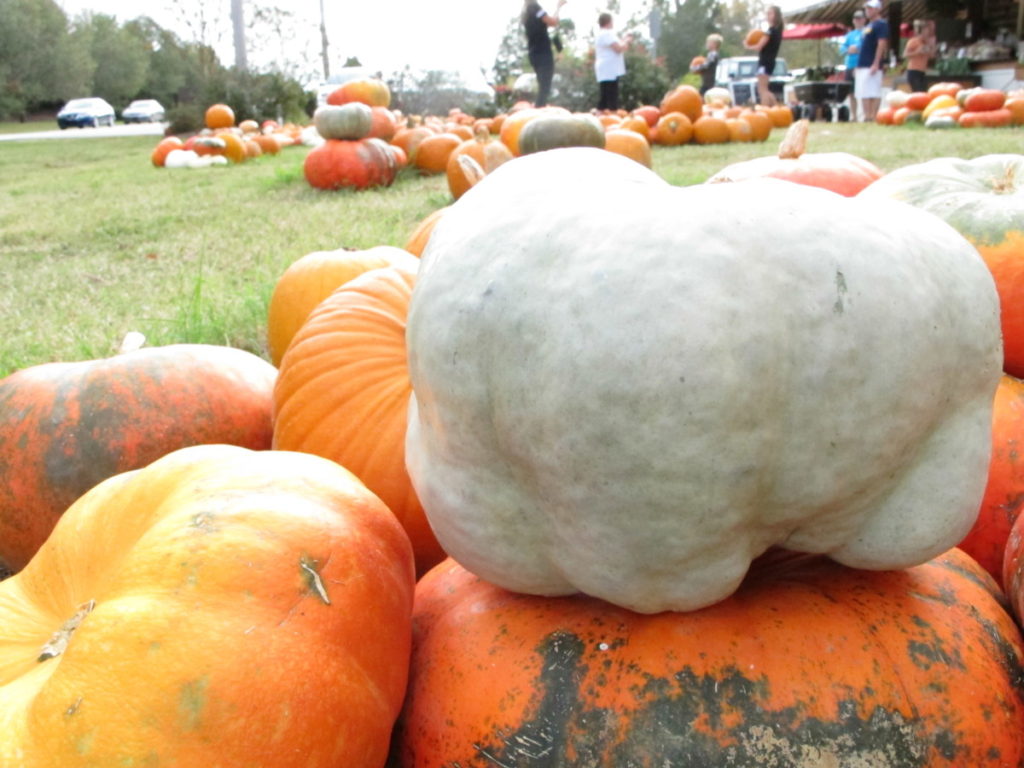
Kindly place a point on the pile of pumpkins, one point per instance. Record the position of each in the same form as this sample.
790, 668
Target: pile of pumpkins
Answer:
538, 490
222, 142
950, 105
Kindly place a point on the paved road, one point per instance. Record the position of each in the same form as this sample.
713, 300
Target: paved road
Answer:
134, 129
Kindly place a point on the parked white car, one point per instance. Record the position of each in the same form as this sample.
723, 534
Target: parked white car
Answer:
143, 111
92, 111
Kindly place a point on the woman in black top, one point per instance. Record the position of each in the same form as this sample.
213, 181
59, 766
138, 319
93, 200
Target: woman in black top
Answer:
535, 23
767, 51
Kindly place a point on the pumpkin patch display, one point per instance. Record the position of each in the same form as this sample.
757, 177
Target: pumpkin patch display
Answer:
343, 393
838, 172
813, 665
64, 427
218, 607
486, 152
983, 199
640, 427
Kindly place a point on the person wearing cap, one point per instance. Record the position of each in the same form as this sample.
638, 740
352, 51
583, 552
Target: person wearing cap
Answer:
850, 48
874, 48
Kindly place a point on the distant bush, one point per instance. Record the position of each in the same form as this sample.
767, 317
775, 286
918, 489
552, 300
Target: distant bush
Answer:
184, 118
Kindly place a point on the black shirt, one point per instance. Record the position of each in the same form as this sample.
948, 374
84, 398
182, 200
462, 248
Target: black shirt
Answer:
770, 51
537, 40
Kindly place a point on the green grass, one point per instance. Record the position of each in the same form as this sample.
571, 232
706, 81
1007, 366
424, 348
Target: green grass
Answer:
95, 242
29, 126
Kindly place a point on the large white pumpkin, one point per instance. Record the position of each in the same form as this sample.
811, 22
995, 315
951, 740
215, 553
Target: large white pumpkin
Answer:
631, 390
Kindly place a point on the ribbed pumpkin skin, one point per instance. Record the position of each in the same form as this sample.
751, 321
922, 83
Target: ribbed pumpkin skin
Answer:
983, 199
343, 393
311, 279
250, 609
1004, 493
338, 163
817, 665
64, 427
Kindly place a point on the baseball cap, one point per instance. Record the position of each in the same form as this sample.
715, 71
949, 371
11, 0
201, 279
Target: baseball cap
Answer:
873, 4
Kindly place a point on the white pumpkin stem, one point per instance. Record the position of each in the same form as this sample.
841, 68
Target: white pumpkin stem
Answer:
794, 142
132, 341
1006, 184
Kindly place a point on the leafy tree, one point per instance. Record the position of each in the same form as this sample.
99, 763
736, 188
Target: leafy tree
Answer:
120, 54
40, 64
684, 29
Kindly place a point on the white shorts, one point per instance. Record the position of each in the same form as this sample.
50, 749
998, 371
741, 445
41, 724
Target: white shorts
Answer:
867, 85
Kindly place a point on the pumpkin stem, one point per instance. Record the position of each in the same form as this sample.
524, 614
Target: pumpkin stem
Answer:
1006, 184
132, 341
471, 169
57, 644
794, 142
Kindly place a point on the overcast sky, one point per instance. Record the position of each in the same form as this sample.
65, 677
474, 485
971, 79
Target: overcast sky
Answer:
457, 35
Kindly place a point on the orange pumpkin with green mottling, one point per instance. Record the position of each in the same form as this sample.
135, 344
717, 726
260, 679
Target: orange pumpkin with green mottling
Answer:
983, 199
810, 663
220, 607
64, 427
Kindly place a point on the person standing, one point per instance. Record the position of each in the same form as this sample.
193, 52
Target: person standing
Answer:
708, 68
919, 49
609, 62
850, 48
536, 22
767, 51
874, 48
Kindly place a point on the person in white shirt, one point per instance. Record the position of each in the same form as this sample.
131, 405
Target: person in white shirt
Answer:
609, 62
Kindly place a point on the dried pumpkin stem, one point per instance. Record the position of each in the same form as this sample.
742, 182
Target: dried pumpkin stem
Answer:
794, 142
57, 644
1006, 184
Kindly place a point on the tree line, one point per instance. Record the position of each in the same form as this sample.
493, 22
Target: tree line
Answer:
47, 58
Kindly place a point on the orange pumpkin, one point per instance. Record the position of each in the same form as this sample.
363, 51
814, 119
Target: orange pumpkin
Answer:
218, 607
754, 37
781, 117
631, 144
408, 139
344, 389
421, 234
984, 100
838, 172
760, 124
164, 148
268, 144
884, 116
648, 113
486, 152
637, 124
944, 89
64, 427
432, 154
234, 147
673, 128
368, 90
812, 664
312, 278
1004, 493
916, 102
337, 163
219, 116
991, 118
710, 130
685, 99
513, 125
382, 124
1015, 106
739, 130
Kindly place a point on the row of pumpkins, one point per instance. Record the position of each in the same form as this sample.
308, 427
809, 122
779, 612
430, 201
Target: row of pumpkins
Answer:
222, 142
363, 143
950, 105
636, 465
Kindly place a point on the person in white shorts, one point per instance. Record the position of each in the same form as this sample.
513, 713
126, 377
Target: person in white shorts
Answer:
874, 48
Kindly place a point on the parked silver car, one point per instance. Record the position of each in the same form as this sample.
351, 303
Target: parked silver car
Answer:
143, 111
80, 113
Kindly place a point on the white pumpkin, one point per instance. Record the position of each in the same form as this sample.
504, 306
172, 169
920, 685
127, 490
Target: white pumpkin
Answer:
896, 99
718, 94
631, 390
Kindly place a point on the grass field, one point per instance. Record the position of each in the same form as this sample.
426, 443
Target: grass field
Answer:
95, 242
